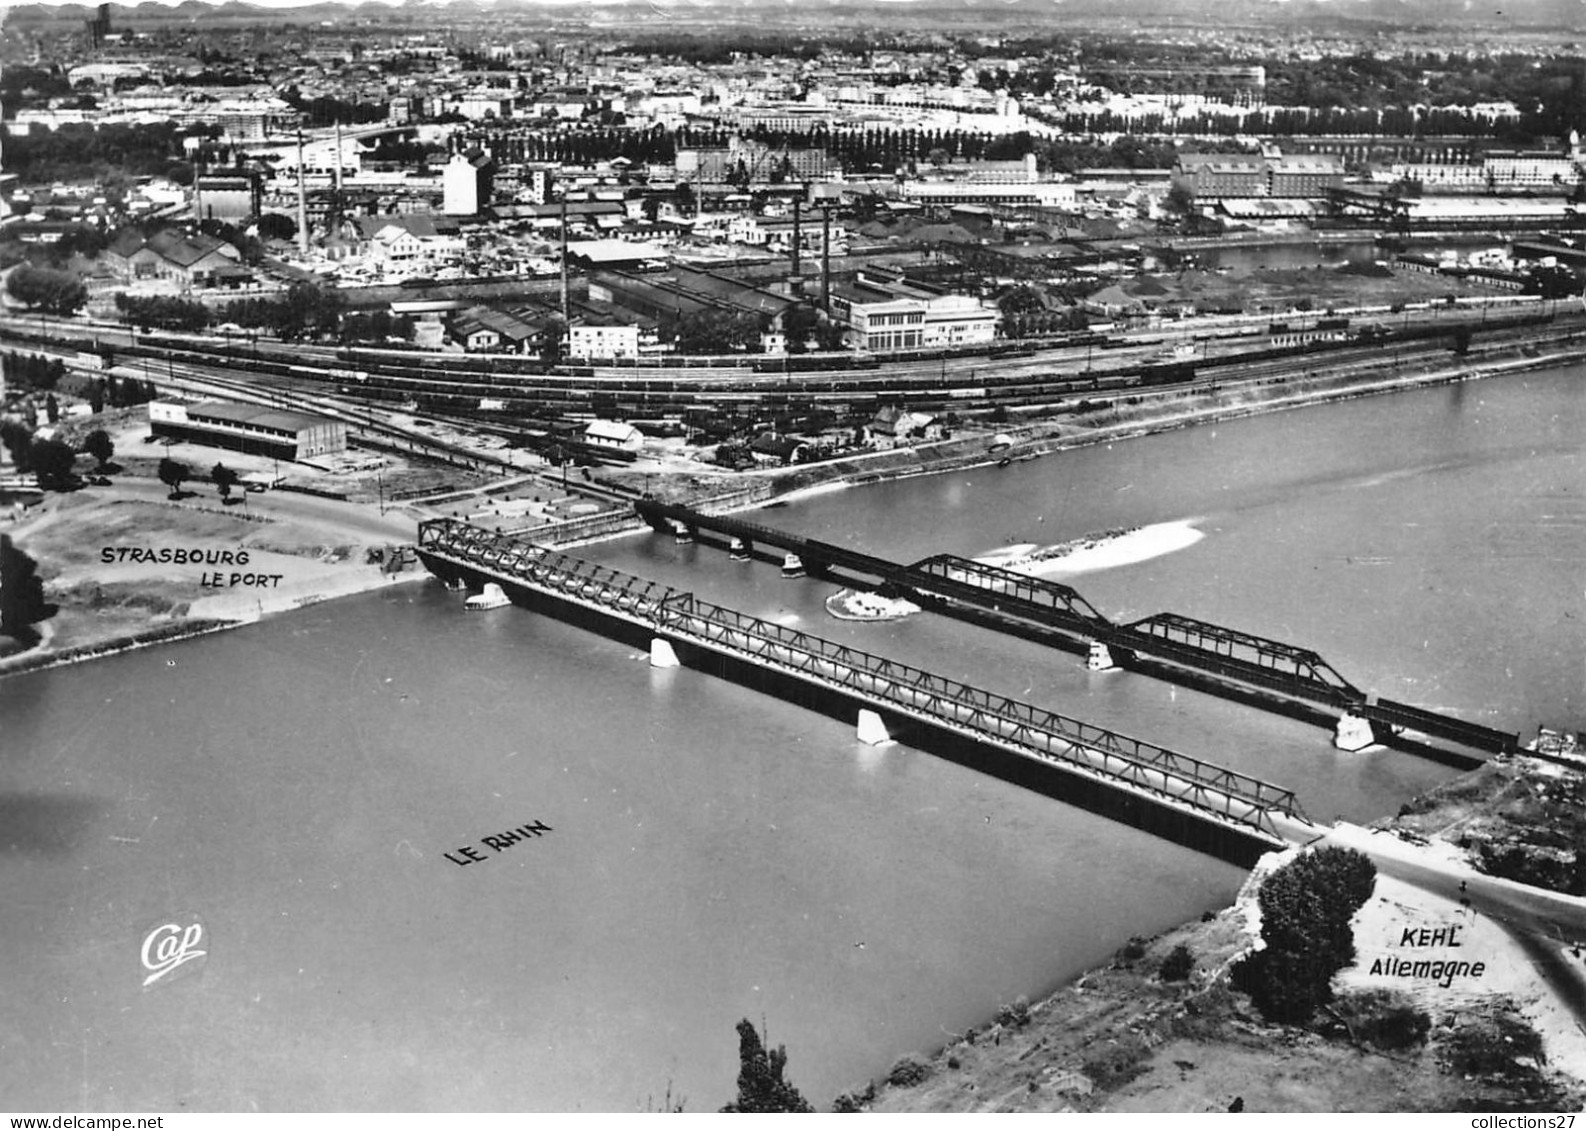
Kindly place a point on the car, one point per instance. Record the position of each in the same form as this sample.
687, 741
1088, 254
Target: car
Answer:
416, 282
97, 480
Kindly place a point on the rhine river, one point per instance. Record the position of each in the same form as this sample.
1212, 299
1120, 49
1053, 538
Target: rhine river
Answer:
295, 786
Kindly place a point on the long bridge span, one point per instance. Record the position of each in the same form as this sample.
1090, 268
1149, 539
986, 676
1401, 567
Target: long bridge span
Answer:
1183, 797
1182, 648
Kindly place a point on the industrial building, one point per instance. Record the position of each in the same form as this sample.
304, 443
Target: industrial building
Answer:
254, 429
885, 311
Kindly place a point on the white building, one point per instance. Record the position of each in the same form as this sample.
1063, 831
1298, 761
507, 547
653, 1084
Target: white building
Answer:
887, 312
614, 434
462, 185
415, 240
610, 340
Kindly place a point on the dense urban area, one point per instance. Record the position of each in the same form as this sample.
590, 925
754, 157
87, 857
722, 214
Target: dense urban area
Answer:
299, 279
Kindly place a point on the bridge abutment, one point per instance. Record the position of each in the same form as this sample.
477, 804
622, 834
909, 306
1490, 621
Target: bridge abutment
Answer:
872, 729
1353, 733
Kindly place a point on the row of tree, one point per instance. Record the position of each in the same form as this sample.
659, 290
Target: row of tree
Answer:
82, 151
165, 312
31, 370
303, 310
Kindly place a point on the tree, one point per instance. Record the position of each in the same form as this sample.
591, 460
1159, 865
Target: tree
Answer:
17, 439
716, 331
52, 408
276, 226
53, 292
99, 445
22, 603
173, 473
798, 325
52, 461
1306, 907
1180, 199
224, 479
761, 1087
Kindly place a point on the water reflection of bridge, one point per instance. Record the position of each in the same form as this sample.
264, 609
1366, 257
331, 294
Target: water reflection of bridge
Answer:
1186, 798
1172, 646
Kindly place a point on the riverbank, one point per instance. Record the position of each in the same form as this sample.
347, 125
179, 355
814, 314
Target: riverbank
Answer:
128, 571
1503, 1031
1125, 418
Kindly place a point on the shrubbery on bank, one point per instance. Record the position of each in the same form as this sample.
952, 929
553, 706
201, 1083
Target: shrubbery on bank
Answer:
1306, 908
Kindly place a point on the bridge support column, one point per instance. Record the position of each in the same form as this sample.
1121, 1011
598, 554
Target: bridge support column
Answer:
681, 534
663, 655
1353, 733
792, 566
1099, 659
740, 549
872, 731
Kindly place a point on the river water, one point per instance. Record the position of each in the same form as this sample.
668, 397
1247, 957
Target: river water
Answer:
303, 788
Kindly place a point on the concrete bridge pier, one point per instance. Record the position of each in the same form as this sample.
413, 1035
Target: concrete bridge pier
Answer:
1099, 658
792, 566
682, 533
872, 731
662, 654
1353, 733
740, 549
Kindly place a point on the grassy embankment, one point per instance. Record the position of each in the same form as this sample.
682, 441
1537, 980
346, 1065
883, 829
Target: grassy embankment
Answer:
1125, 1037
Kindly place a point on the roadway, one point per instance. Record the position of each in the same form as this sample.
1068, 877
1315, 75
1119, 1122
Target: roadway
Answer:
1538, 920
335, 517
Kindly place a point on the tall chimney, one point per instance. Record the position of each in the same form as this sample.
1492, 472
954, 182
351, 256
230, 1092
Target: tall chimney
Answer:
338, 159
797, 203
826, 259
302, 198
565, 318
198, 190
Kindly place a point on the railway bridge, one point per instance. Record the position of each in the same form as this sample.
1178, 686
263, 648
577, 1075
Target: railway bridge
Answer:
1187, 799
1172, 646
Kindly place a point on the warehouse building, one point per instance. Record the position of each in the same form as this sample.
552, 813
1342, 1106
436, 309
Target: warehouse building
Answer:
254, 429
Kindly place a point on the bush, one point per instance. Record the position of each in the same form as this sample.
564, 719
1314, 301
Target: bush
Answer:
848, 1103
1015, 1016
1385, 1020
908, 1071
1492, 1047
1116, 1063
1132, 951
1178, 965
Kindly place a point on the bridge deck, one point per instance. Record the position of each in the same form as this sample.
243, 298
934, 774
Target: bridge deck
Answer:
1210, 790
1257, 661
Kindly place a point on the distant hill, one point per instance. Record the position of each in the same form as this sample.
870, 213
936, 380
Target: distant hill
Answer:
1567, 14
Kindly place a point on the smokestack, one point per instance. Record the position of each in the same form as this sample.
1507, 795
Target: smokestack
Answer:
302, 198
826, 259
797, 203
338, 160
565, 318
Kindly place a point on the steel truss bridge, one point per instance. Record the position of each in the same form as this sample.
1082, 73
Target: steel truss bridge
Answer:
1206, 790
964, 587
